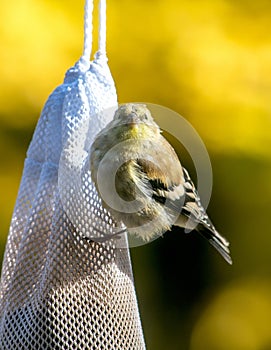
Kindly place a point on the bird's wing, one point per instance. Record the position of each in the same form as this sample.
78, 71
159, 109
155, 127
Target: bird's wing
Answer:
193, 209
192, 205
166, 188
217, 241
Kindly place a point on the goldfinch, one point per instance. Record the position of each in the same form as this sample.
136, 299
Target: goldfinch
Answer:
141, 181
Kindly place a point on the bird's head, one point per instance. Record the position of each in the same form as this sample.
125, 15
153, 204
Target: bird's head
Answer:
132, 113
136, 119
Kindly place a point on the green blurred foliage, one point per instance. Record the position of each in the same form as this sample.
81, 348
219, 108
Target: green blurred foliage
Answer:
209, 60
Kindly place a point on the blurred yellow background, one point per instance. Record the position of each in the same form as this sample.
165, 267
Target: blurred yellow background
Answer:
209, 60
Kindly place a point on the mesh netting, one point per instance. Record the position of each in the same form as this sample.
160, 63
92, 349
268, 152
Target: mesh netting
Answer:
60, 290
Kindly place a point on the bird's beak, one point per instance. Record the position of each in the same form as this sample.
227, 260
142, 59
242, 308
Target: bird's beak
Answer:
133, 120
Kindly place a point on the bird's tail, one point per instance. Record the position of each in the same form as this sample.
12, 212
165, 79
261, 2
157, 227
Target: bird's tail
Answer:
217, 241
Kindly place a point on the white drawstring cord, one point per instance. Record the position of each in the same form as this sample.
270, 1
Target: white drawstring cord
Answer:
102, 28
88, 29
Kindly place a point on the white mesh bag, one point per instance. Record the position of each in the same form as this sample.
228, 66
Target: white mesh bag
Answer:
60, 290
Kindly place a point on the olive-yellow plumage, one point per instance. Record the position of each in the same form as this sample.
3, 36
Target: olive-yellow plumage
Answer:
142, 182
